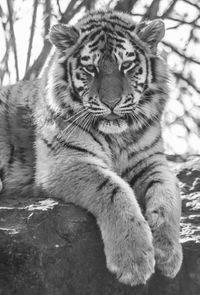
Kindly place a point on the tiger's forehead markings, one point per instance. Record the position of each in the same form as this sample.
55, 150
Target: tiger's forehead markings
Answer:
127, 51
91, 28
87, 56
93, 54
130, 54
112, 21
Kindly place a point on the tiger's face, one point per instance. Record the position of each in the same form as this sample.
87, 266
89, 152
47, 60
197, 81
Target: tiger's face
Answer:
109, 68
111, 81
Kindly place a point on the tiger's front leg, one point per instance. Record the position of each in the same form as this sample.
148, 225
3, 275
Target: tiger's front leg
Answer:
126, 235
162, 211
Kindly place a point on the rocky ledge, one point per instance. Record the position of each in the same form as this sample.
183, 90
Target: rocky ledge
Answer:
51, 248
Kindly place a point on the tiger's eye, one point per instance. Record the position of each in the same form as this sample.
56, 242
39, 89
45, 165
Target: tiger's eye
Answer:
90, 68
127, 64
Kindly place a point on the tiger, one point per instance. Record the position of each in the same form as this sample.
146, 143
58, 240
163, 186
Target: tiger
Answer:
89, 132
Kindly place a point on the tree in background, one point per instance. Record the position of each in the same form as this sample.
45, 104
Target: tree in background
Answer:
180, 46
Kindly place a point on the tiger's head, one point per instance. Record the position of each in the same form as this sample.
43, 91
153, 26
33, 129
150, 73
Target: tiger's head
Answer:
107, 71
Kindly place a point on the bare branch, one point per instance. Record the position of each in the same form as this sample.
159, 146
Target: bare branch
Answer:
59, 9
189, 58
169, 9
192, 4
36, 68
182, 21
152, 10
4, 62
10, 17
72, 9
31, 34
47, 17
125, 5
179, 75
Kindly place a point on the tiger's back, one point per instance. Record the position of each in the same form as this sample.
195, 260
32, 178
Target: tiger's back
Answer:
17, 136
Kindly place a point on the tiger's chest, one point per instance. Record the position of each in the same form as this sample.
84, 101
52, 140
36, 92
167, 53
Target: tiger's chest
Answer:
120, 154
120, 162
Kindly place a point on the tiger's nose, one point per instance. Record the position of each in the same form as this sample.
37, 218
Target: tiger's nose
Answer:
109, 102
110, 91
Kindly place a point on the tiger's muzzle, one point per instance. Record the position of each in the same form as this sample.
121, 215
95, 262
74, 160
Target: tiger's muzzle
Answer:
109, 83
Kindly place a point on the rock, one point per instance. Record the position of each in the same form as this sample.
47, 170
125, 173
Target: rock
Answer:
51, 248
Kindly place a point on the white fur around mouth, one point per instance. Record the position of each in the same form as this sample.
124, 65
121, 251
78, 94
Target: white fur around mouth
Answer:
112, 126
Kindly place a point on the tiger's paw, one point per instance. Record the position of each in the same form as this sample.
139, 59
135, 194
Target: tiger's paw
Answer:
129, 252
155, 216
168, 253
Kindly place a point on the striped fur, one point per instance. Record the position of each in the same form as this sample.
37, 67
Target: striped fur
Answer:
94, 139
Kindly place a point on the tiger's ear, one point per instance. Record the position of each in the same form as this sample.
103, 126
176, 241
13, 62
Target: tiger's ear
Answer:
63, 37
151, 32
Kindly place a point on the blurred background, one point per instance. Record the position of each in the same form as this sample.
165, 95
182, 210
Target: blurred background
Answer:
25, 49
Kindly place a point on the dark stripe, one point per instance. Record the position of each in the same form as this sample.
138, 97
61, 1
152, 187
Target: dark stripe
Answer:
120, 23
141, 173
121, 46
74, 147
107, 139
146, 148
49, 145
80, 88
148, 122
86, 57
152, 183
77, 51
120, 35
118, 40
93, 49
90, 28
96, 140
129, 169
1, 174
151, 174
153, 68
75, 97
95, 43
113, 194
90, 133
78, 76
147, 75
12, 156
94, 35
65, 66
74, 94
103, 184
93, 24
132, 28
130, 54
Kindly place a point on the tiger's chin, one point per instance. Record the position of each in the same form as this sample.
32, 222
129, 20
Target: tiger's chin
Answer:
112, 126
